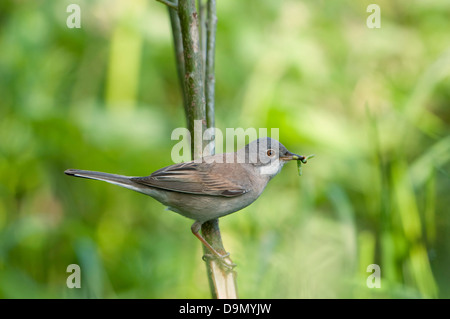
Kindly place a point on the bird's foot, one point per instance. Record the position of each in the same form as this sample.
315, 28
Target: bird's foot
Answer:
224, 262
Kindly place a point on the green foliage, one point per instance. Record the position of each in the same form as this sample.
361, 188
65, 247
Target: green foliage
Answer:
373, 104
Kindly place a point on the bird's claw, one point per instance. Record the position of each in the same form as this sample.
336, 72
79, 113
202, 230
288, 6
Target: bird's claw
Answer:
227, 265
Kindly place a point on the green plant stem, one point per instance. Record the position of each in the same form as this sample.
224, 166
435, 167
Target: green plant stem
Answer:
193, 71
202, 29
210, 79
222, 282
179, 54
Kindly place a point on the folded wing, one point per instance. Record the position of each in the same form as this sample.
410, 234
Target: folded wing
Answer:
192, 178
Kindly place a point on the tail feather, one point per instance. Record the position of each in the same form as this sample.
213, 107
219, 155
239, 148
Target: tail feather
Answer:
115, 179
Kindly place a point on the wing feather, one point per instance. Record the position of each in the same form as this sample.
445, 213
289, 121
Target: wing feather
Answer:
192, 178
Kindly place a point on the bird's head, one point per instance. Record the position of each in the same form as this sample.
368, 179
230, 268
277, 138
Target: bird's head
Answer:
268, 155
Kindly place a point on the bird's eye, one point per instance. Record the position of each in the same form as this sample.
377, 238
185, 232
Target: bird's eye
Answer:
270, 153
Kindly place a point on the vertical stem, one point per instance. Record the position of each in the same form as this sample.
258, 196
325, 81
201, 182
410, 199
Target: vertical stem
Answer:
193, 70
179, 57
222, 282
202, 30
210, 80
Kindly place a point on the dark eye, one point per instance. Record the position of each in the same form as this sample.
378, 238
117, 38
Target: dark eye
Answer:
270, 153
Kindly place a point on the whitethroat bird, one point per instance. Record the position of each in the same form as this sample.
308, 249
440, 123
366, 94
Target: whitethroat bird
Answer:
213, 187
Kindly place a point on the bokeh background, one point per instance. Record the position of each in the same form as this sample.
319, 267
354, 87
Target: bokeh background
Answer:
372, 104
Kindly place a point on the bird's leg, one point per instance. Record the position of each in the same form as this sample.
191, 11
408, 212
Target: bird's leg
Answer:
195, 228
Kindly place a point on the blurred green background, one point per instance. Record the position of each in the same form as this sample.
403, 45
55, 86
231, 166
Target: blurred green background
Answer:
372, 104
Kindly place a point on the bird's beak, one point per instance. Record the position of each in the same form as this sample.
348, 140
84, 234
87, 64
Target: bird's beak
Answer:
291, 156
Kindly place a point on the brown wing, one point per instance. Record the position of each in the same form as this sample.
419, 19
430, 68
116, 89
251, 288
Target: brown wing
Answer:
192, 178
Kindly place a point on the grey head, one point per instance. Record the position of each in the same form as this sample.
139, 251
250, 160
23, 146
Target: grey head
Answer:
267, 155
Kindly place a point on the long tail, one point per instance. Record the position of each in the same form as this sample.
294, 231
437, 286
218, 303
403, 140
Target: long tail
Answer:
115, 179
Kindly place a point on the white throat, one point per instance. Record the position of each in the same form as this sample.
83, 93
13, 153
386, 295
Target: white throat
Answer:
272, 168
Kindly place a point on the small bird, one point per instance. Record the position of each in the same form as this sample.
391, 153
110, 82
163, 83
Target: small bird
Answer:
211, 187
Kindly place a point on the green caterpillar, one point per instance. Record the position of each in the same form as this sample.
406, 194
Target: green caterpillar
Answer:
303, 161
